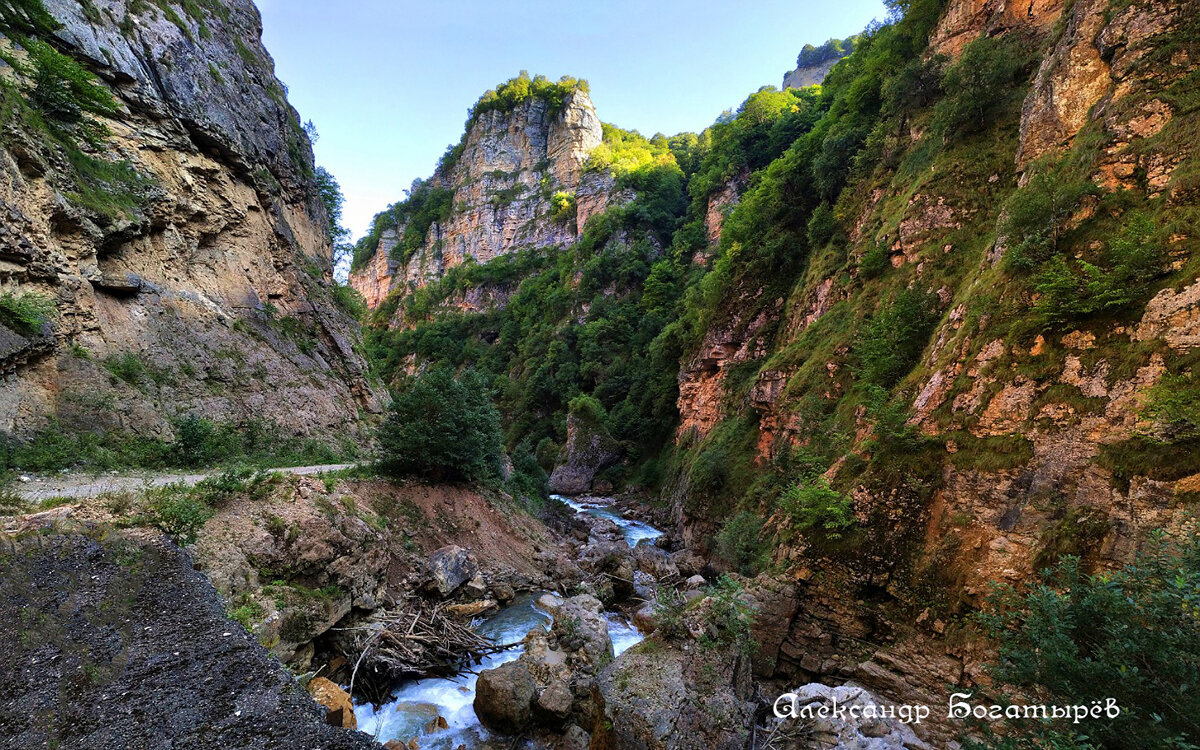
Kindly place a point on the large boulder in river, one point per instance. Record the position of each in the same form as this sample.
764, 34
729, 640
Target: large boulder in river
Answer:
659, 697
589, 449
450, 567
579, 625
503, 697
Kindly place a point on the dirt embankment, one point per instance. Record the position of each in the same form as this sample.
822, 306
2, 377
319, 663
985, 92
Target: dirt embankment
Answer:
113, 640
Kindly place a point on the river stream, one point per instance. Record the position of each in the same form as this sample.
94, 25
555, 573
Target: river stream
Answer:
415, 706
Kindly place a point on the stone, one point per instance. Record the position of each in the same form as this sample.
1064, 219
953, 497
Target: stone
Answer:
644, 618
554, 702
695, 582
451, 566
580, 625
471, 609
590, 449
850, 729
339, 709
503, 697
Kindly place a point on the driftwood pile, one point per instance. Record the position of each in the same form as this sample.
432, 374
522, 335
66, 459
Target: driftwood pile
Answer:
412, 639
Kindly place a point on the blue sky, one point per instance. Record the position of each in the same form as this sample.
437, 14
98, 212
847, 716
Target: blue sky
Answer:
388, 84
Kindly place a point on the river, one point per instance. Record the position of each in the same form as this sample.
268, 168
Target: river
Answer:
415, 705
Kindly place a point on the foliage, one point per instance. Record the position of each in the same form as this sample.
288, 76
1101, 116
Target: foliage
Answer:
198, 443
330, 193
178, 510
1175, 406
815, 506
980, 82
62, 90
26, 312
832, 49
443, 428
426, 204
562, 206
1035, 218
349, 300
516, 91
895, 336
1071, 290
741, 544
1130, 635
730, 617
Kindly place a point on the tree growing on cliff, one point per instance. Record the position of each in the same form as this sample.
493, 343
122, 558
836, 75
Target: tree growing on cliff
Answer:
1132, 635
442, 428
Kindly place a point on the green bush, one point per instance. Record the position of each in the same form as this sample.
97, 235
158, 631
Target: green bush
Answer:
894, 338
179, 511
350, 301
730, 616
740, 543
815, 506
1132, 635
980, 82
442, 428
1175, 406
25, 313
1035, 218
1070, 290
562, 206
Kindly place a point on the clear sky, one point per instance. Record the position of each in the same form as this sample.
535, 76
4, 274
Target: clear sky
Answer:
388, 84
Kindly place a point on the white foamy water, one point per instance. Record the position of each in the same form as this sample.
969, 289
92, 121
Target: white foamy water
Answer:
634, 531
414, 705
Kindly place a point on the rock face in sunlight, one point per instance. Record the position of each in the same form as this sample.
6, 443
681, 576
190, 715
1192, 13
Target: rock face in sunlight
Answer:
179, 237
501, 192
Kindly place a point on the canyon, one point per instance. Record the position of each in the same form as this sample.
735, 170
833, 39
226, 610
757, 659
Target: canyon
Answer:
848, 363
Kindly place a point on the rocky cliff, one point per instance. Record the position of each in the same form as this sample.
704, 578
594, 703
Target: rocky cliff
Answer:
515, 181
1028, 421
167, 208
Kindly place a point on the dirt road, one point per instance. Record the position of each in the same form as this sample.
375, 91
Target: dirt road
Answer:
91, 485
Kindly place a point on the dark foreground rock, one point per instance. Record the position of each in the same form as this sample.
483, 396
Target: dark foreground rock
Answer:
112, 640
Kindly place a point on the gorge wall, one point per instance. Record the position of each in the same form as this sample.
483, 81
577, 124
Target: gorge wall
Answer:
179, 237
496, 196
1025, 424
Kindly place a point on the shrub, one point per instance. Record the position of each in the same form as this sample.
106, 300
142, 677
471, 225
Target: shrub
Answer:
442, 428
179, 511
1035, 217
350, 301
815, 506
730, 616
739, 542
25, 313
895, 337
562, 206
1131, 635
978, 83
1175, 405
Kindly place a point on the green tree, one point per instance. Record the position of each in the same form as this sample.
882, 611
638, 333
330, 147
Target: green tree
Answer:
443, 428
1132, 635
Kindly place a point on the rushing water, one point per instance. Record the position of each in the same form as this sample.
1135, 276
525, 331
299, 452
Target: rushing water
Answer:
634, 531
414, 705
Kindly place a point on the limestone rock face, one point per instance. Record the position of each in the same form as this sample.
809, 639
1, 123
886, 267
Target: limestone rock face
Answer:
212, 275
589, 449
512, 163
807, 75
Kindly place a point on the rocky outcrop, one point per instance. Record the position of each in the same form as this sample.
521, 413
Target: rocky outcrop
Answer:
857, 727
450, 567
512, 164
666, 698
199, 273
808, 75
339, 709
589, 449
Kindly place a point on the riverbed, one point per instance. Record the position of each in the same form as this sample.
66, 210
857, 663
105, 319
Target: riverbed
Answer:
415, 706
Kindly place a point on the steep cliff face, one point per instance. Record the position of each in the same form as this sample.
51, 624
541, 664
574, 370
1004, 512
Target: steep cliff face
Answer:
498, 195
184, 247
1018, 430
